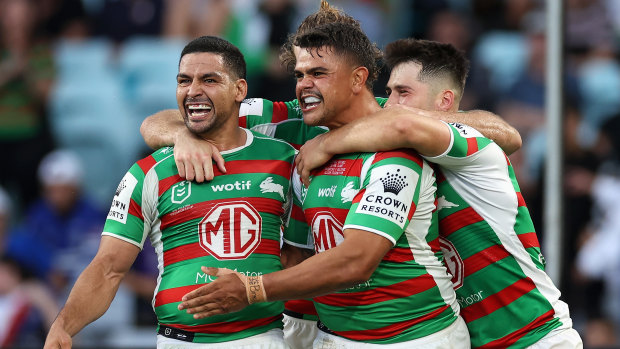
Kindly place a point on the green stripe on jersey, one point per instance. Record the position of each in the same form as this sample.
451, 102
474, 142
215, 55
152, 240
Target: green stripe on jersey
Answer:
232, 221
378, 192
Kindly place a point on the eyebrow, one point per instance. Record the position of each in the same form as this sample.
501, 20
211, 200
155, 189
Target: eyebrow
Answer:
311, 70
203, 76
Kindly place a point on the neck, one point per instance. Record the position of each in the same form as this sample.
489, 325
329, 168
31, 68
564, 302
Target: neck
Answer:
228, 136
360, 105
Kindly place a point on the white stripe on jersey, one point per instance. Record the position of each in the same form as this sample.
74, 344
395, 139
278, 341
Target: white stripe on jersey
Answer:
484, 187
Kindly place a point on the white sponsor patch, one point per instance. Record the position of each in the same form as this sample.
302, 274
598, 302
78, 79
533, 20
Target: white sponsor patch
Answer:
120, 203
251, 106
390, 193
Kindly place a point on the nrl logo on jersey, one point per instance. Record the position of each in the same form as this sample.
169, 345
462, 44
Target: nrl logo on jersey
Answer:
180, 192
166, 150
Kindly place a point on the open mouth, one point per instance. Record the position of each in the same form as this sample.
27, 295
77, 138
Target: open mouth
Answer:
310, 102
196, 111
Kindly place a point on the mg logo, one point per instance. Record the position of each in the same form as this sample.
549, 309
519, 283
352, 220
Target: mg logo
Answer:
327, 231
454, 263
230, 230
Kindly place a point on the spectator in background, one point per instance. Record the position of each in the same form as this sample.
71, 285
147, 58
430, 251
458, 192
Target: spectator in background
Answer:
62, 227
27, 308
26, 77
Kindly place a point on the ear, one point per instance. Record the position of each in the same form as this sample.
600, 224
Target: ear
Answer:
358, 79
445, 100
241, 90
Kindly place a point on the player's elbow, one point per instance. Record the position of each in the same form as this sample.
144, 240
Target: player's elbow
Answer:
358, 269
514, 142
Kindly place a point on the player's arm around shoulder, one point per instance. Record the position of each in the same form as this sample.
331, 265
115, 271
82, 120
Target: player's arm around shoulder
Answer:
427, 135
93, 291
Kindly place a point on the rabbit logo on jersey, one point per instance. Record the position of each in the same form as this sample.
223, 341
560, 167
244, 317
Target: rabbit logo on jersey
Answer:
122, 196
327, 231
390, 193
230, 230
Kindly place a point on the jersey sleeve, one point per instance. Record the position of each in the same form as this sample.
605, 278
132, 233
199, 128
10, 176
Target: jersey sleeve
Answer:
389, 194
296, 231
466, 146
130, 214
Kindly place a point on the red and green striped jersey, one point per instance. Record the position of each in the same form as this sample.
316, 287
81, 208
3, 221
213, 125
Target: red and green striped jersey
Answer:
491, 248
232, 221
282, 120
391, 194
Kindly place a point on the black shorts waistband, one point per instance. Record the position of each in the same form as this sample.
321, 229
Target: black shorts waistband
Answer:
175, 333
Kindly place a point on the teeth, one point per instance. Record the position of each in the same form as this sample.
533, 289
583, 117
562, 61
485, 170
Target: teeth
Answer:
308, 100
199, 106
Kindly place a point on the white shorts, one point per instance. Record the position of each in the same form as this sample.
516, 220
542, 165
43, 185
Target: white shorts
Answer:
454, 336
566, 338
272, 339
299, 333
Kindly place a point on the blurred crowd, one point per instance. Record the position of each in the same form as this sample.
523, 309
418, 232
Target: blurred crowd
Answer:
78, 76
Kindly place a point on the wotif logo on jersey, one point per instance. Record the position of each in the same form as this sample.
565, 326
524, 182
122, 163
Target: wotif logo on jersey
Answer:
238, 185
390, 193
327, 192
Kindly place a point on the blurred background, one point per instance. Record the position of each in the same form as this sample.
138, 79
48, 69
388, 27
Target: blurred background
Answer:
77, 77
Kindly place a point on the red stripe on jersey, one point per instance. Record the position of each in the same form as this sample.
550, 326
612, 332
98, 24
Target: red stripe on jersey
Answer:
472, 146
297, 214
507, 160
358, 197
280, 112
380, 294
512, 338
228, 327
398, 255
529, 240
390, 330
484, 258
301, 306
412, 210
243, 121
339, 213
135, 209
435, 246
275, 167
147, 163
296, 146
520, 200
200, 209
498, 300
190, 251
405, 153
166, 183
339, 167
458, 220
172, 295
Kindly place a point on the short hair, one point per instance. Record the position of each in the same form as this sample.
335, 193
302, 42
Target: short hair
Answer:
233, 58
347, 40
325, 15
437, 59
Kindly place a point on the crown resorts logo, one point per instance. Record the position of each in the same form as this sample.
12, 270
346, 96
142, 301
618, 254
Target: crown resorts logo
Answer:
120, 188
394, 182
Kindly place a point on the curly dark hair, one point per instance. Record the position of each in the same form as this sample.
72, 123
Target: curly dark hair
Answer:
436, 59
233, 58
318, 24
